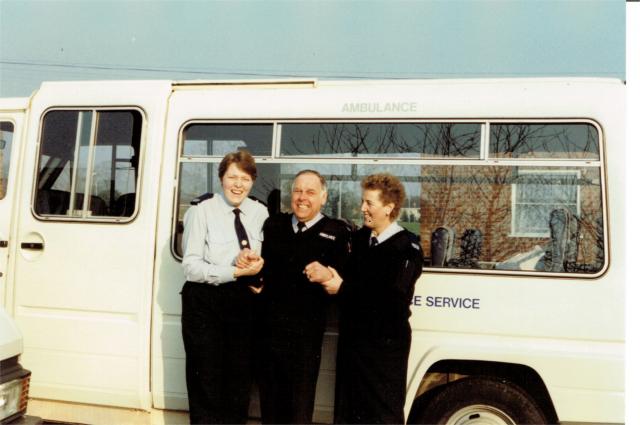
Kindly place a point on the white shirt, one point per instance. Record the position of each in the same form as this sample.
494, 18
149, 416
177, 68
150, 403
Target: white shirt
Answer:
210, 244
391, 230
307, 224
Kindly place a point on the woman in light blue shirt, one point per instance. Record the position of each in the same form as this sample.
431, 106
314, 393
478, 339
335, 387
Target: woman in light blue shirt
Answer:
221, 257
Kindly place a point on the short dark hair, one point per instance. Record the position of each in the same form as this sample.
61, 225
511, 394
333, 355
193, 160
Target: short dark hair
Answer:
391, 190
323, 181
242, 159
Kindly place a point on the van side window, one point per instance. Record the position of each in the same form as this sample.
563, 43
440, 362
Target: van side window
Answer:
557, 140
402, 140
88, 164
489, 195
6, 136
203, 147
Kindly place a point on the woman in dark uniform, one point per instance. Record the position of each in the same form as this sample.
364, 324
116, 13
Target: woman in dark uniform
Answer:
375, 295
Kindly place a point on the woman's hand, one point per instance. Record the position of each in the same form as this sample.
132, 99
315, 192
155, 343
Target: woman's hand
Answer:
332, 286
328, 277
249, 265
245, 257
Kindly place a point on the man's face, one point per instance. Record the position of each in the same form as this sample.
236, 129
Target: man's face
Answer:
236, 185
307, 197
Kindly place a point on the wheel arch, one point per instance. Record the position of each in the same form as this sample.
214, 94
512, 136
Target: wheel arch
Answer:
444, 371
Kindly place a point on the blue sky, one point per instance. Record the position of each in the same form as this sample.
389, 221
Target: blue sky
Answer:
72, 39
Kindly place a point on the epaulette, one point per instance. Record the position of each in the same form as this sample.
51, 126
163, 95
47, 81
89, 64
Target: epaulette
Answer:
257, 200
203, 197
414, 240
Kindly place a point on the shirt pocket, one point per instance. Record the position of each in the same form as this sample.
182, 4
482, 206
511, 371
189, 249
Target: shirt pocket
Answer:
222, 247
256, 238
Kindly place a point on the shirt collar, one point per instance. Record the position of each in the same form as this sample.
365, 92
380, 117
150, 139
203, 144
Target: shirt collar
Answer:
308, 224
244, 206
391, 230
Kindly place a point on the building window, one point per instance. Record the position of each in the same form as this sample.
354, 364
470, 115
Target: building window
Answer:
536, 194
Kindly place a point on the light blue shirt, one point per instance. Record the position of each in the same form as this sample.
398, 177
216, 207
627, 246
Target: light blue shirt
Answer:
210, 244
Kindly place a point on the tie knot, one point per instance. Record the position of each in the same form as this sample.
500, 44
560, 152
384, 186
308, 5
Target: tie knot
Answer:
301, 226
374, 241
237, 211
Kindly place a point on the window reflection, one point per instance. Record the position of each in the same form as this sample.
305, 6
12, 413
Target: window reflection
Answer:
569, 141
491, 202
219, 139
493, 217
410, 140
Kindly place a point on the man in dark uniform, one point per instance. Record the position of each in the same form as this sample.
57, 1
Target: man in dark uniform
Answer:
295, 308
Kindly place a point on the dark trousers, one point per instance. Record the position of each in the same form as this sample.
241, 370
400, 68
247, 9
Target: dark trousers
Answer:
371, 379
288, 378
216, 330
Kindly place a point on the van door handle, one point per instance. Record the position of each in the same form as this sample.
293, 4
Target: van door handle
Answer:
32, 245
4, 244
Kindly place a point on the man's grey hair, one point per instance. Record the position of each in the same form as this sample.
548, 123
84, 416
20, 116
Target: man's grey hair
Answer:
323, 181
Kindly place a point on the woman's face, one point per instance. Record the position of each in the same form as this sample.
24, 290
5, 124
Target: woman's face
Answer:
236, 184
375, 213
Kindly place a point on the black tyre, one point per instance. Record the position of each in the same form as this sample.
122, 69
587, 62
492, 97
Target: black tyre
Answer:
480, 400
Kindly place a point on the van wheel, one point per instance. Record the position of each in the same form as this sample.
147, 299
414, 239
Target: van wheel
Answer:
480, 400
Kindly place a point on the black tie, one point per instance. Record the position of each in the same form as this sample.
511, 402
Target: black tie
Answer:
301, 227
243, 239
374, 242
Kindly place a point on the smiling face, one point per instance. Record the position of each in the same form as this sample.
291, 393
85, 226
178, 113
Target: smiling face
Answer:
236, 185
307, 197
375, 214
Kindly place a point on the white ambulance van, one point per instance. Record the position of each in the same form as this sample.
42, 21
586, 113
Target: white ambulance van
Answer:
515, 187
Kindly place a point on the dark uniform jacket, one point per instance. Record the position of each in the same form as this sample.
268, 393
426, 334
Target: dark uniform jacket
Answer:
295, 306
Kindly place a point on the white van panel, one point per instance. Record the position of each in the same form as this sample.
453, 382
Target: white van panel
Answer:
10, 338
84, 301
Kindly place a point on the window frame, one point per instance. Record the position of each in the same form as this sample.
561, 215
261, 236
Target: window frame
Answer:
138, 187
485, 159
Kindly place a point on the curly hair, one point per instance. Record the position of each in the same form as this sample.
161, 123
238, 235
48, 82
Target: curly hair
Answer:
391, 190
243, 161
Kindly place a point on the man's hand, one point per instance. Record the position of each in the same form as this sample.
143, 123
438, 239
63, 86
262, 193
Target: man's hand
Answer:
316, 272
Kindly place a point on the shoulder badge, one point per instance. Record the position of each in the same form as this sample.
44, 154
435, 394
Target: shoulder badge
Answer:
327, 236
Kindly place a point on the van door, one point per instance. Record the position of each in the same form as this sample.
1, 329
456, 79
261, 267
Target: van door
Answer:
85, 245
10, 125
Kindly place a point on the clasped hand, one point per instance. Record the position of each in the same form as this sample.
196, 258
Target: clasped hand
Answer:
328, 277
248, 263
